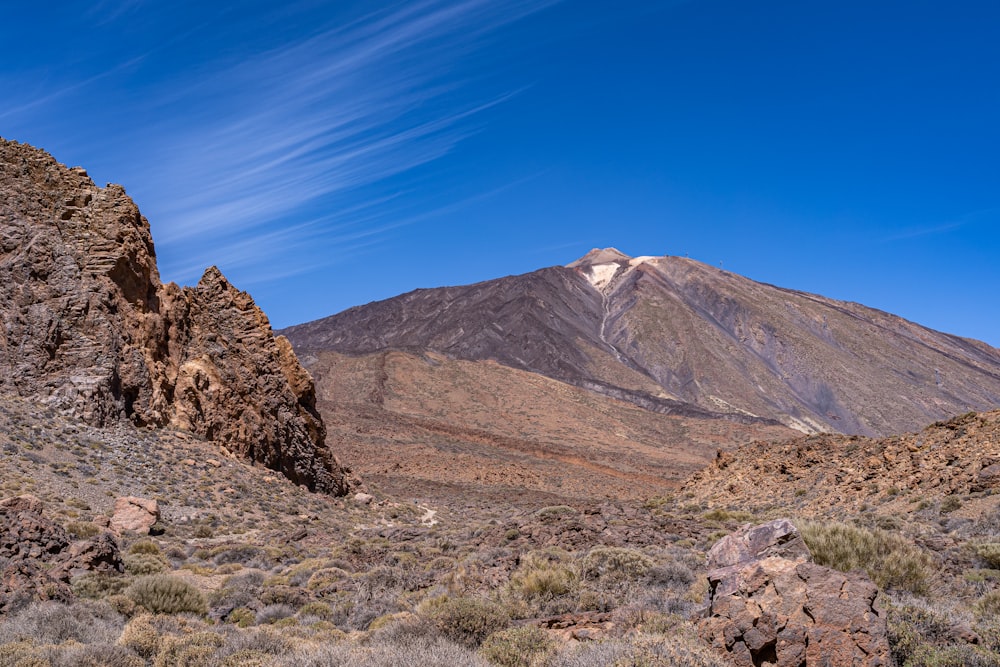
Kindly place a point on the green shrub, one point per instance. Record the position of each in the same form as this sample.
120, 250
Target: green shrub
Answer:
527, 646
890, 560
163, 594
468, 621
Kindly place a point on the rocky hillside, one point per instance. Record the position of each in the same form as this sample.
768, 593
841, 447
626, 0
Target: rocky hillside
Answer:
89, 329
676, 336
954, 465
425, 426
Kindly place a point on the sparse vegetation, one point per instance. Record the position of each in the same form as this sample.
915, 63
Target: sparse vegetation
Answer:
892, 561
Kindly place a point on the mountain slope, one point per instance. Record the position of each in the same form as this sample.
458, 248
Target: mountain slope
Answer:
423, 425
676, 336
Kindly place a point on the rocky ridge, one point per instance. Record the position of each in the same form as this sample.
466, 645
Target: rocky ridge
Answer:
819, 474
89, 328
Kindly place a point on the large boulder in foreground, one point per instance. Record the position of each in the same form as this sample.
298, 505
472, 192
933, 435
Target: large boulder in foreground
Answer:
771, 605
37, 557
89, 328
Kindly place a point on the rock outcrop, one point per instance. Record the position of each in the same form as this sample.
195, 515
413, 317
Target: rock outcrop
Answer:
89, 327
37, 557
771, 605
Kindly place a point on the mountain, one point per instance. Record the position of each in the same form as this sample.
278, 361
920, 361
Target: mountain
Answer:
675, 336
89, 329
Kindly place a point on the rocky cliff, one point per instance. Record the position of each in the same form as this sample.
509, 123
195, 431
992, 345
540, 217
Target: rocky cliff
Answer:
89, 328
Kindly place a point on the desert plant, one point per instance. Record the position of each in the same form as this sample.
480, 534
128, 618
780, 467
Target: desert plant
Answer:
163, 594
526, 646
890, 559
615, 564
468, 621
144, 563
140, 636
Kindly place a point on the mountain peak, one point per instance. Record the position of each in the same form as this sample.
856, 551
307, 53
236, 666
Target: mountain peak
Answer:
600, 256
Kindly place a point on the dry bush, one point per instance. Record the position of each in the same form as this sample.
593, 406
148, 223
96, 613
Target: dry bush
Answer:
54, 623
543, 576
679, 650
892, 561
527, 646
614, 565
163, 594
141, 637
430, 650
468, 621
143, 563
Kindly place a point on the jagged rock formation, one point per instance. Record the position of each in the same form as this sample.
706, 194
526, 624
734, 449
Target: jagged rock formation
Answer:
771, 605
89, 327
673, 335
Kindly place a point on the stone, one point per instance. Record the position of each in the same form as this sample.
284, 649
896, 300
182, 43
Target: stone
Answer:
134, 514
89, 329
769, 603
363, 498
37, 558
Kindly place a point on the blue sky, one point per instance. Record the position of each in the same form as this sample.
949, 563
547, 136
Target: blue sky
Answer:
326, 154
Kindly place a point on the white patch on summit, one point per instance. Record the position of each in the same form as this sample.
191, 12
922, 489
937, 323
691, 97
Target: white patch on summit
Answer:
600, 275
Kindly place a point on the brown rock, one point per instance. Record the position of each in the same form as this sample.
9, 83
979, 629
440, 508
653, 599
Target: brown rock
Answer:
38, 559
134, 514
90, 329
769, 604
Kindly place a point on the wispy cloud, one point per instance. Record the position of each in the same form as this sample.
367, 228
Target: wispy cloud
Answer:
966, 220
304, 125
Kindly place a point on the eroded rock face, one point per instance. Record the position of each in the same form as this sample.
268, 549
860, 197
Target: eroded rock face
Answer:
37, 557
89, 327
771, 605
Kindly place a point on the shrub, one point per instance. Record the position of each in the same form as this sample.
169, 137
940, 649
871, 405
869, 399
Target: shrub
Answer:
163, 594
889, 559
81, 530
54, 623
140, 636
468, 621
188, 650
145, 563
615, 564
97, 585
242, 617
273, 613
541, 576
527, 646
989, 552
145, 547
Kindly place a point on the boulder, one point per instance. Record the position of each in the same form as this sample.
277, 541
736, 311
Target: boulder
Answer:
769, 604
134, 514
37, 558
